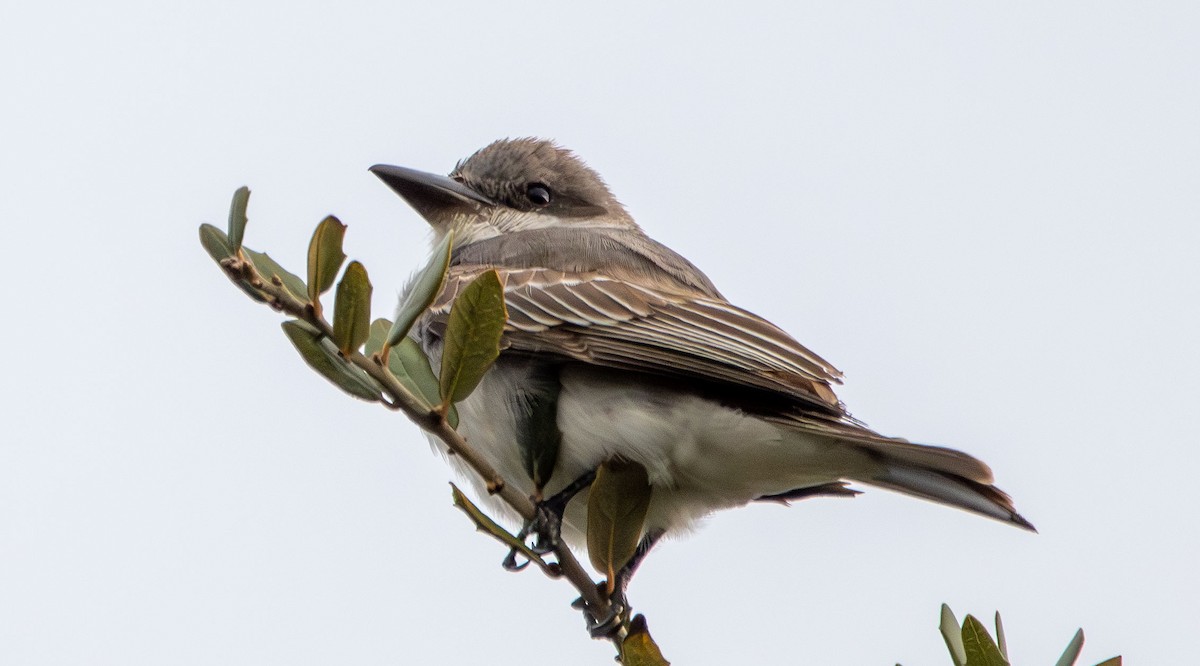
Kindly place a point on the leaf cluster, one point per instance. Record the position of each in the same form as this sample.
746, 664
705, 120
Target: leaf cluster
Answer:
473, 336
971, 645
378, 361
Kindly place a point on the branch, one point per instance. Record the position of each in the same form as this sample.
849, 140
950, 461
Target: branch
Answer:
395, 372
240, 269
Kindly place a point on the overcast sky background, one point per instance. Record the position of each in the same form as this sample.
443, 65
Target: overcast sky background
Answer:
986, 214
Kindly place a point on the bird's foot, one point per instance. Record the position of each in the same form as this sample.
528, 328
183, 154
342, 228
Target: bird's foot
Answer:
510, 562
546, 525
545, 528
613, 620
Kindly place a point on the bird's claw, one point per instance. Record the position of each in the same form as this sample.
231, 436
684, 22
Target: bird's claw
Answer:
510, 562
545, 527
614, 619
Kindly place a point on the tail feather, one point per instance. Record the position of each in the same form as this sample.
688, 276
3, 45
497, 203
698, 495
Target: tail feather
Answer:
935, 458
934, 473
956, 491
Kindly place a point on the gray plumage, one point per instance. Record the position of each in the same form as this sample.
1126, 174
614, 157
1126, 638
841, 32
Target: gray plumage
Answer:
652, 363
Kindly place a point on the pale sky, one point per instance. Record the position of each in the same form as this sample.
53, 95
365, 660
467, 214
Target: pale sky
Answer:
986, 214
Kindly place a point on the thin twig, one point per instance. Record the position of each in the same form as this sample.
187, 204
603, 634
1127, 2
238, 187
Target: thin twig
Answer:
430, 420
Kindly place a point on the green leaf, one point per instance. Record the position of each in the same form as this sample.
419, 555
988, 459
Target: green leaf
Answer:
216, 243
1114, 661
322, 356
416, 365
1001, 642
325, 256
638, 648
1073, 649
980, 648
237, 217
538, 436
472, 340
409, 364
376, 335
425, 287
352, 310
617, 504
951, 633
485, 524
267, 267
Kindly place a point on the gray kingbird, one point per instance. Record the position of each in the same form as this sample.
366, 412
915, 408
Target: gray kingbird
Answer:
644, 358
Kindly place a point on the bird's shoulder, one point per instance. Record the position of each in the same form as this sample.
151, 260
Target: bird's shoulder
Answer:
620, 253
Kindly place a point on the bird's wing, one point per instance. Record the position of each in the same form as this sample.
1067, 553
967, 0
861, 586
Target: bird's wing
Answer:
600, 320
597, 319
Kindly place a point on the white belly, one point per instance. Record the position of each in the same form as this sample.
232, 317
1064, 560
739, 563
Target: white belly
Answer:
700, 455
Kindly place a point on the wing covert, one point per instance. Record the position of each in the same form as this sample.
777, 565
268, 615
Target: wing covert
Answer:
597, 319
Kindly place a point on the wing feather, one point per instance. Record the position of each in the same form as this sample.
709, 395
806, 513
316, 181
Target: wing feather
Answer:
597, 319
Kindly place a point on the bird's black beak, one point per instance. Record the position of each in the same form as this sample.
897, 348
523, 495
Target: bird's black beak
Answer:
435, 197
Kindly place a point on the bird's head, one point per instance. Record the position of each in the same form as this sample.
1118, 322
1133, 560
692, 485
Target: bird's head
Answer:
510, 185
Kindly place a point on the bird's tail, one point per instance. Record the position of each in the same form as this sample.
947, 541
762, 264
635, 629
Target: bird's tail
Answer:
851, 451
938, 474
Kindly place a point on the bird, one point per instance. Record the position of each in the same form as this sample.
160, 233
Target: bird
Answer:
631, 353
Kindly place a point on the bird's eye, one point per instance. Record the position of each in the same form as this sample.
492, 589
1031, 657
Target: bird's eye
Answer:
538, 194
